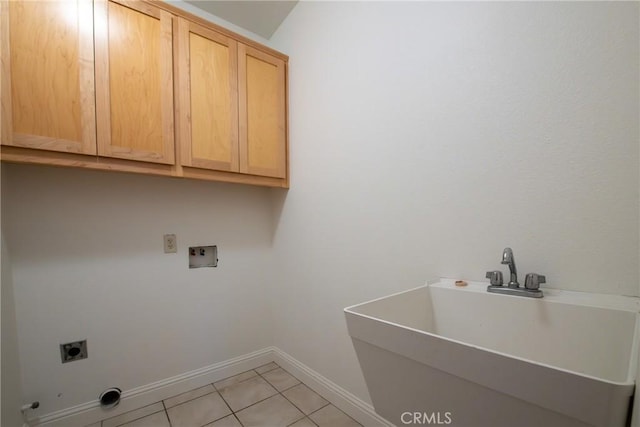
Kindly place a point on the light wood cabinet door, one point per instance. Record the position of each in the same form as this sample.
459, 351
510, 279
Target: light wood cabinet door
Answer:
134, 81
207, 98
47, 75
262, 105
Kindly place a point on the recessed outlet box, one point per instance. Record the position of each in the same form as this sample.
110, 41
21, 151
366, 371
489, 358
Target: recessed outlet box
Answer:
72, 351
203, 256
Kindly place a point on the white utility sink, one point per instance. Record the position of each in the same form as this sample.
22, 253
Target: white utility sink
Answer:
478, 359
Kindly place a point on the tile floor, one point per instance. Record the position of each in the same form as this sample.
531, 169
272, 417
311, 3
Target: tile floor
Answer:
266, 396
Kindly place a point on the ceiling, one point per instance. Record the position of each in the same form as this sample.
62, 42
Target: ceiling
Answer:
260, 17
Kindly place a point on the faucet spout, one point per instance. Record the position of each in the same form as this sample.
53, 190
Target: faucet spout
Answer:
507, 258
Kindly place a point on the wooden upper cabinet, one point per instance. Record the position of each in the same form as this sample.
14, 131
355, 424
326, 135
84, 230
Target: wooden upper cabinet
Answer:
47, 75
231, 104
99, 83
262, 105
207, 111
134, 81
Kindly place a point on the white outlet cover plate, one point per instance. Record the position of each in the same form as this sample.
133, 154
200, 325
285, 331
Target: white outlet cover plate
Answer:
170, 244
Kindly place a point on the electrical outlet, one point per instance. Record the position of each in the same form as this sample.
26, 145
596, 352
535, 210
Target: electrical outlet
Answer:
170, 244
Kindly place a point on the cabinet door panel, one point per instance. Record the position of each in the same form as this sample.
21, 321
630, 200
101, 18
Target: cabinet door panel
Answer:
262, 98
208, 107
135, 82
48, 95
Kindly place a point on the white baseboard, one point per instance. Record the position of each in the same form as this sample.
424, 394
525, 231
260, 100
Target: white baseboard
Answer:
91, 412
338, 396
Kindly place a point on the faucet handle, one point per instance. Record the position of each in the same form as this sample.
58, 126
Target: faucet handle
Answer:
495, 277
532, 281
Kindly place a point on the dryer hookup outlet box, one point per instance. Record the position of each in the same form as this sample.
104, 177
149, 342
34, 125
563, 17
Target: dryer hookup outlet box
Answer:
203, 256
72, 351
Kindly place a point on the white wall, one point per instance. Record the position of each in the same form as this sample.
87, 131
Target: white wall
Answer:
428, 136
88, 263
11, 389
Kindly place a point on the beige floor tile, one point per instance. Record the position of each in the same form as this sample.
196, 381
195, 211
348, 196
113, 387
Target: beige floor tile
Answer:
234, 380
305, 422
276, 411
268, 367
305, 399
330, 416
98, 424
190, 395
229, 421
133, 415
247, 393
198, 412
280, 379
159, 419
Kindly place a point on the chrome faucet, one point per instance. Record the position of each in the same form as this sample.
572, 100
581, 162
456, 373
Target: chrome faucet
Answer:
531, 284
507, 258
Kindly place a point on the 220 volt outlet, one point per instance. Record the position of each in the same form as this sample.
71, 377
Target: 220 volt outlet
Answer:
72, 351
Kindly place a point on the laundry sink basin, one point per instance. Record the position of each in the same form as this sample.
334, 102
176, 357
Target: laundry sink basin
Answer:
480, 359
